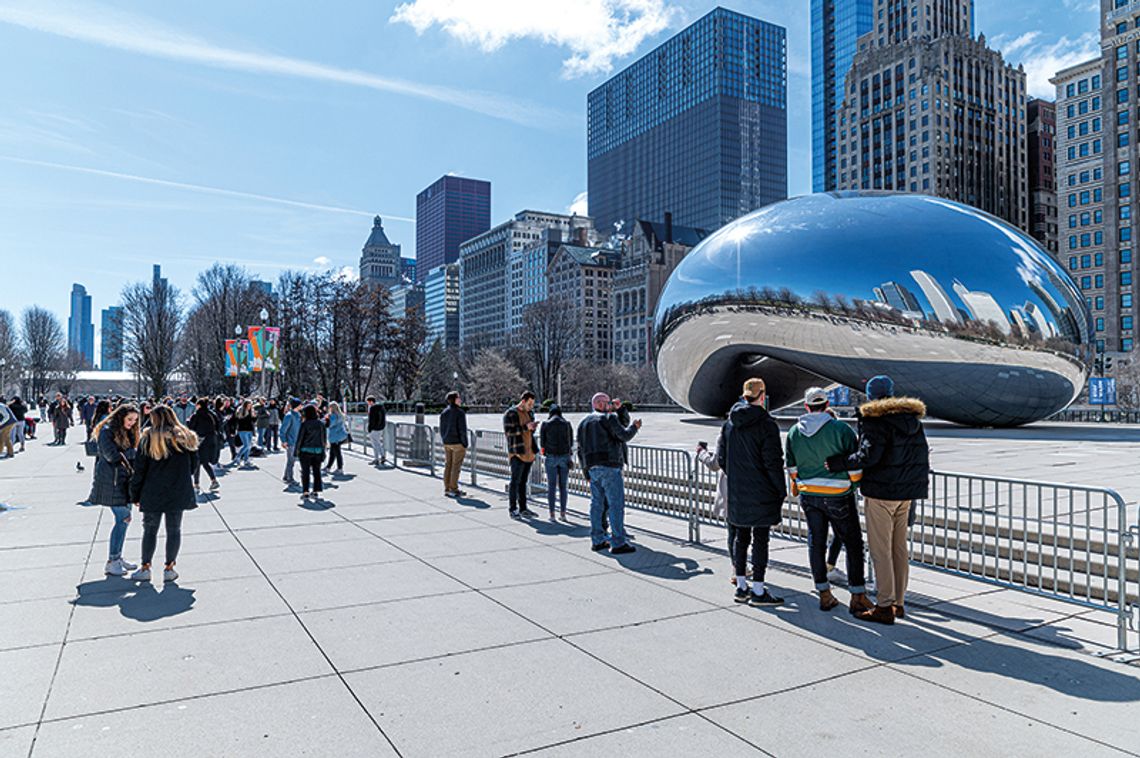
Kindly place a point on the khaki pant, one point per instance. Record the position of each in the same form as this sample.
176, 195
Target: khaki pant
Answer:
887, 538
6, 439
452, 464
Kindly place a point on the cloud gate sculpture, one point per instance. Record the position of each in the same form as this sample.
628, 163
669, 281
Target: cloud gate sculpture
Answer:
961, 309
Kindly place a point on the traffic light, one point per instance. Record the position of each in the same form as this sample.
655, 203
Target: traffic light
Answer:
1108, 364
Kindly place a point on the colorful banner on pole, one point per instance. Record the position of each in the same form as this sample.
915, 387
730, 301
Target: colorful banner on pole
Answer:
272, 348
232, 362
256, 347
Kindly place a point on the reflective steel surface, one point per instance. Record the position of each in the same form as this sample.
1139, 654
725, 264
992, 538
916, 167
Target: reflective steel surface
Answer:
959, 308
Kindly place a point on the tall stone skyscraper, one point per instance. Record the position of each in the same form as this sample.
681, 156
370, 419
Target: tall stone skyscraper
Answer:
697, 127
80, 329
1096, 150
380, 259
929, 108
1042, 144
836, 26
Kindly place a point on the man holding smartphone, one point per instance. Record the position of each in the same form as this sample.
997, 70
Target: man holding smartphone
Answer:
602, 454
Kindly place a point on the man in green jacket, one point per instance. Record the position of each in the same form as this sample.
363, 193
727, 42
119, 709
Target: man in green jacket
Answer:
827, 497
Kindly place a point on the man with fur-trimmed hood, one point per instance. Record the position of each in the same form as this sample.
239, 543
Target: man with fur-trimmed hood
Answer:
895, 460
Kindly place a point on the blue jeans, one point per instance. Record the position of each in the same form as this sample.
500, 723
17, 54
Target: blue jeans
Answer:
606, 488
262, 433
246, 443
557, 477
119, 530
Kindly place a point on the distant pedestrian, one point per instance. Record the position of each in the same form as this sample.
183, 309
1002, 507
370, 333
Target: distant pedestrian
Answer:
709, 459
20, 412
310, 450
261, 423
244, 420
87, 414
61, 419
338, 434
453, 434
377, 420
895, 460
204, 423
184, 409
601, 453
556, 439
117, 436
7, 424
754, 466
827, 497
42, 407
162, 485
290, 426
272, 436
519, 426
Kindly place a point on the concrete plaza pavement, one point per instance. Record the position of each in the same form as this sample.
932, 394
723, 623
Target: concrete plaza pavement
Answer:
387, 620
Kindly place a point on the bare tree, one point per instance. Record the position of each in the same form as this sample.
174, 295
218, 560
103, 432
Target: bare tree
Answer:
492, 379
366, 332
152, 323
551, 334
224, 296
439, 374
43, 347
11, 368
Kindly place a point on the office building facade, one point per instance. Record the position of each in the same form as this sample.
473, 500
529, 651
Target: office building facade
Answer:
450, 211
80, 328
111, 339
527, 267
651, 253
836, 26
406, 299
485, 299
380, 262
581, 279
929, 108
441, 305
697, 127
1042, 144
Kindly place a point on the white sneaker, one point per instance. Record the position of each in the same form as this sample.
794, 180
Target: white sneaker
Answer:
836, 576
128, 565
142, 575
115, 568
169, 575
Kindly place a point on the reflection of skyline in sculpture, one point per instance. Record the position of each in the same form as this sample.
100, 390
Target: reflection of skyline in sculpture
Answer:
982, 307
944, 310
743, 303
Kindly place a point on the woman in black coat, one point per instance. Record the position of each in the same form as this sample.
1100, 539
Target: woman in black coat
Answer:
117, 435
205, 424
162, 486
310, 450
753, 462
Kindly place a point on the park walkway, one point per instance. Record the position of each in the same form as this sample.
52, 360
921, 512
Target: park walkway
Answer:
387, 620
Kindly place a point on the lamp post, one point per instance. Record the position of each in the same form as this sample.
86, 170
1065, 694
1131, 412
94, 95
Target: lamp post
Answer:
3, 366
237, 367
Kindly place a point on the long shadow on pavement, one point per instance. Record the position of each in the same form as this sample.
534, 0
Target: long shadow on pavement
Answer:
140, 601
926, 639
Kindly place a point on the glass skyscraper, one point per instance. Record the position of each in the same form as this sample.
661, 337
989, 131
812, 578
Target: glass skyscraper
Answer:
111, 334
449, 212
836, 26
80, 329
697, 127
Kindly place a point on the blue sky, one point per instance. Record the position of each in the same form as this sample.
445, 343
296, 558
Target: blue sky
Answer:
268, 133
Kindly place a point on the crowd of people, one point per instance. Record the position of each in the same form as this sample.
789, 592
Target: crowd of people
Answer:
151, 456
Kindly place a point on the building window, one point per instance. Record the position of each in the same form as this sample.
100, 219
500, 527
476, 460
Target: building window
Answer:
1126, 300
1125, 322
1100, 324
1100, 302
1125, 278
1086, 282
1086, 261
1126, 345
1098, 259
1126, 255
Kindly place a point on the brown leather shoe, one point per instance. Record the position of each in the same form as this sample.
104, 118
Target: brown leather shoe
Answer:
860, 603
881, 614
827, 601
899, 612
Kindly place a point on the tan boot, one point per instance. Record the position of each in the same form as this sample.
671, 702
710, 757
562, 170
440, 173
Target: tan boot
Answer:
860, 603
827, 601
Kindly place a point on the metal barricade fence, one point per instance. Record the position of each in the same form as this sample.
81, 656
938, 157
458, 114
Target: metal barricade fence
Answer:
1067, 542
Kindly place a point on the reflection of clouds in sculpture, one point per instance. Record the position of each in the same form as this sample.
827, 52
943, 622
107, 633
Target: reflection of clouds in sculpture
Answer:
812, 289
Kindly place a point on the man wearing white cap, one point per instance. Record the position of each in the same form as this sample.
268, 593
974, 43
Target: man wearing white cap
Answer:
827, 497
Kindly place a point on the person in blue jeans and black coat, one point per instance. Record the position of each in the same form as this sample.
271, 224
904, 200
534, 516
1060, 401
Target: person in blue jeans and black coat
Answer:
556, 438
753, 463
601, 452
117, 436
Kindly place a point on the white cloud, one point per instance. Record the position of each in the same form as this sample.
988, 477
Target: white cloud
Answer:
1043, 57
107, 27
596, 32
196, 187
580, 205
345, 274
323, 261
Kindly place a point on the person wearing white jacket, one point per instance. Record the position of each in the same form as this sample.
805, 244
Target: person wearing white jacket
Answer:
720, 505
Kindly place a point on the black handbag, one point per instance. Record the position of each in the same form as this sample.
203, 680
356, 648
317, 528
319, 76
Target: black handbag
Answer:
91, 447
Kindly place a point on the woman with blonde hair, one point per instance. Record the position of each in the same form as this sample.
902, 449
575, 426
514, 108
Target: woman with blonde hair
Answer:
117, 435
162, 485
337, 435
